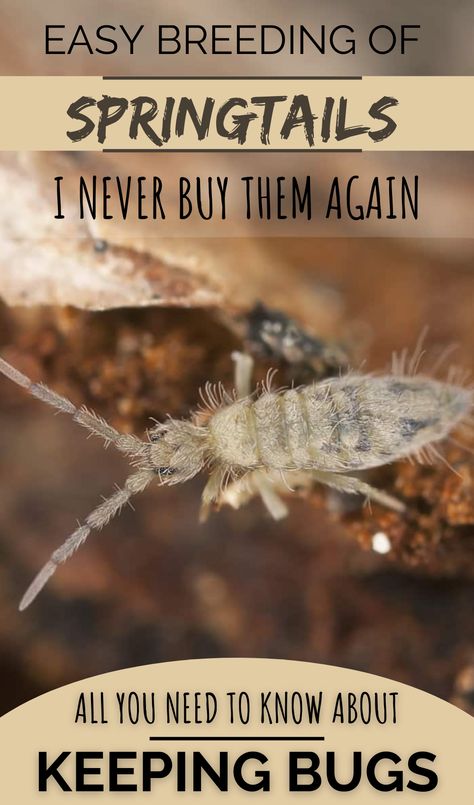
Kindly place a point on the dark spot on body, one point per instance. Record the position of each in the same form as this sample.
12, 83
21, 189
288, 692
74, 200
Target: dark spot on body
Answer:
363, 445
396, 387
156, 434
165, 471
100, 245
410, 427
412, 385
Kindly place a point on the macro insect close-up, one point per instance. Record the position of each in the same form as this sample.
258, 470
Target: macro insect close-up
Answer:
236, 398
259, 442
293, 489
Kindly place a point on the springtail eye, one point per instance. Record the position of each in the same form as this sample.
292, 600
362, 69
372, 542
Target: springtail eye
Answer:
165, 471
157, 435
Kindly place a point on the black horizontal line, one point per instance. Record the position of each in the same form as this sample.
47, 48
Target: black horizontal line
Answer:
238, 738
232, 78
232, 150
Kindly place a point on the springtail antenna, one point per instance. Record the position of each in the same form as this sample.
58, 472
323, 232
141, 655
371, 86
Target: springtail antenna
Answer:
96, 520
124, 442
109, 508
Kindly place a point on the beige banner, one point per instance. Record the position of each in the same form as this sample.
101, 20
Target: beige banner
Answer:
225, 729
373, 113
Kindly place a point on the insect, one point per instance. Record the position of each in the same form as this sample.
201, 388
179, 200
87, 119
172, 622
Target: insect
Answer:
272, 334
255, 443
